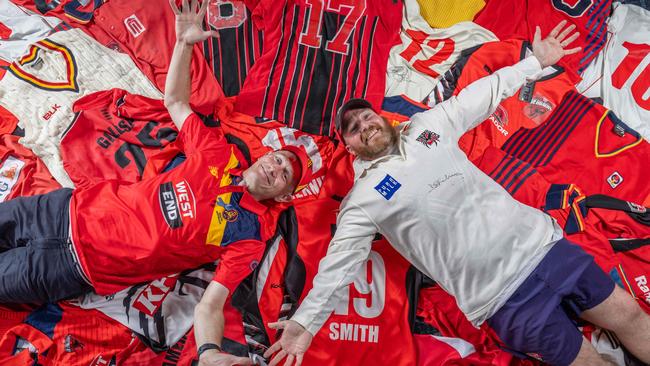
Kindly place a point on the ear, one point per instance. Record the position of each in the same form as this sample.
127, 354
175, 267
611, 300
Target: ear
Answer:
284, 198
349, 149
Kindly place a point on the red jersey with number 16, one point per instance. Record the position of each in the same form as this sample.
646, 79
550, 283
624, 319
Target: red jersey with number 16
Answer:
317, 55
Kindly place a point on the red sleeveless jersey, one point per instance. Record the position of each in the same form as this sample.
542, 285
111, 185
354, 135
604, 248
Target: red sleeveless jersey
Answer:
317, 55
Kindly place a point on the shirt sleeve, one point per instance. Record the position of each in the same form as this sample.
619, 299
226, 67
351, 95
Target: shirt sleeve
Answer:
348, 250
196, 136
237, 262
480, 99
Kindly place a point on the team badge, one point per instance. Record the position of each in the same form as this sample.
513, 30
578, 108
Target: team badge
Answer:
134, 26
615, 180
229, 213
428, 137
387, 187
500, 119
636, 208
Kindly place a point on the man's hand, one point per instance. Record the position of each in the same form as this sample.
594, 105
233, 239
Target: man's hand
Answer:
551, 49
189, 22
215, 358
293, 343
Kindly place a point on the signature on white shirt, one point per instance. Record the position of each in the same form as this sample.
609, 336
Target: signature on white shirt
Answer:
447, 177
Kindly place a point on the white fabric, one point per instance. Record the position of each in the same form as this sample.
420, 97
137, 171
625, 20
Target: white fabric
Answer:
26, 28
44, 112
402, 76
449, 219
629, 23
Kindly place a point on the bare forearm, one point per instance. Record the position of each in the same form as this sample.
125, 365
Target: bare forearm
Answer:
208, 325
177, 84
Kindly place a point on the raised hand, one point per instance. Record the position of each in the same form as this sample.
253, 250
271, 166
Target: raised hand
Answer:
189, 20
551, 49
293, 343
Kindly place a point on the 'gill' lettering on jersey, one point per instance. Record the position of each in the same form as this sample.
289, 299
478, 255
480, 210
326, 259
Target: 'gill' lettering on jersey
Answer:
218, 221
177, 203
387, 187
69, 84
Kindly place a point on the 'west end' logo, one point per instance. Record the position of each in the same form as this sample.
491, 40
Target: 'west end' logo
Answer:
177, 203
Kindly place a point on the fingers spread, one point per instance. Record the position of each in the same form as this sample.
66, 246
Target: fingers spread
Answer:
276, 360
538, 35
566, 32
185, 6
289, 360
299, 359
172, 3
568, 41
572, 51
271, 350
277, 325
204, 8
557, 29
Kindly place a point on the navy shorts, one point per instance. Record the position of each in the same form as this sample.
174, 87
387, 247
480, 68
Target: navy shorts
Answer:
538, 318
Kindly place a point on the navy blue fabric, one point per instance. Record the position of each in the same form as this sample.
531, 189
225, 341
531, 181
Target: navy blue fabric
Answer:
538, 318
36, 264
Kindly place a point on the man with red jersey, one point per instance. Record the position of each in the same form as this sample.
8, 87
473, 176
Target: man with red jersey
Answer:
505, 263
109, 236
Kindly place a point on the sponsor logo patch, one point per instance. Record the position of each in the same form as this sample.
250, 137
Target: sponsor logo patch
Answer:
152, 297
9, 173
636, 208
176, 203
500, 119
615, 180
427, 138
387, 187
134, 26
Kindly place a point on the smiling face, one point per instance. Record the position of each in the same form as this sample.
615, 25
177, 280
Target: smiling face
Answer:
368, 135
271, 177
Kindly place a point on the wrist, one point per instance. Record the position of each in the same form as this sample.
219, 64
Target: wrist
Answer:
207, 348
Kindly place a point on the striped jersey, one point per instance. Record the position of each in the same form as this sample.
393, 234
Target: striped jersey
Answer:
232, 54
317, 55
586, 144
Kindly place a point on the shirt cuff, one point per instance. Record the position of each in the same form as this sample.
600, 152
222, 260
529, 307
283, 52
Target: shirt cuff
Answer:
307, 321
531, 67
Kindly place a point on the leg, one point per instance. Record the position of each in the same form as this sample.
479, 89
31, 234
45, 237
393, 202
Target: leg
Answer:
588, 356
43, 271
622, 315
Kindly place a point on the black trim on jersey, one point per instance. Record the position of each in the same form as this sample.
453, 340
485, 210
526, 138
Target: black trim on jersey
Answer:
413, 284
305, 84
625, 245
297, 74
511, 173
612, 203
449, 80
241, 145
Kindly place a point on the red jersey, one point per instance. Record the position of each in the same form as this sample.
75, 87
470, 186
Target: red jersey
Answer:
21, 172
74, 11
61, 334
113, 135
319, 54
529, 108
145, 30
179, 219
632, 270
518, 19
586, 144
239, 45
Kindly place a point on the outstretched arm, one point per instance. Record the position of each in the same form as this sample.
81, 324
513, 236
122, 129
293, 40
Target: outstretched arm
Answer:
481, 98
189, 20
209, 324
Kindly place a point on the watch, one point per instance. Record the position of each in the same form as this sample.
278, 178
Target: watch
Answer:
207, 346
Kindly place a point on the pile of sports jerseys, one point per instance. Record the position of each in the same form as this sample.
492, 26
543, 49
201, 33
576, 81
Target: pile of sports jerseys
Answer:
81, 87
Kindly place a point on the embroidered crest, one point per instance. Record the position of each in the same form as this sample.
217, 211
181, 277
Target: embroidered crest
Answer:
387, 187
229, 213
428, 137
614, 180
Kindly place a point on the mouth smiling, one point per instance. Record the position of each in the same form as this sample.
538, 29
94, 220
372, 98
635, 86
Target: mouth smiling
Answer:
371, 134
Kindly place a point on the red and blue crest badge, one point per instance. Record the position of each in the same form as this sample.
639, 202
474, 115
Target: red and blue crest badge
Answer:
428, 137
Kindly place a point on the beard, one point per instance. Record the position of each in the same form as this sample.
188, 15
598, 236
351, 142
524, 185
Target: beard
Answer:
383, 142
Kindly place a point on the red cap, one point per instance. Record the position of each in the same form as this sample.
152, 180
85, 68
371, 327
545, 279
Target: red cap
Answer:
301, 166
